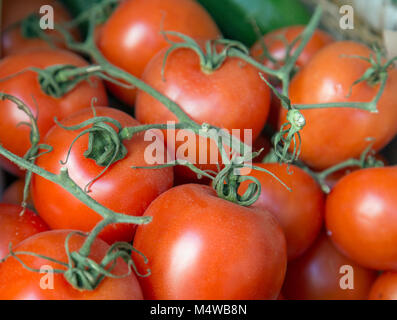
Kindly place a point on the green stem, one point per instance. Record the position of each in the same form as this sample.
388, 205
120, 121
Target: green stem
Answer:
63, 179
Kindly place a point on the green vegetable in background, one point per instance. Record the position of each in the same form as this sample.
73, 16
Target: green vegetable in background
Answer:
78, 6
237, 18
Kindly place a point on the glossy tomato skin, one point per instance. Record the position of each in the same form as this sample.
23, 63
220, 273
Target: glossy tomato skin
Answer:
131, 36
18, 283
300, 211
276, 47
385, 287
317, 275
16, 10
333, 135
15, 228
121, 189
202, 247
206, 98
26, 87
360, 216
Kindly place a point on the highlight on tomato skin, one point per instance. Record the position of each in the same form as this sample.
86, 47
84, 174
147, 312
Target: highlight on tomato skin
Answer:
360, 216
121, 189
24, 84
197, 238
276, 45
300, 211
132, 35
206, 98
19, 283
198, 245
333, 135
323, 273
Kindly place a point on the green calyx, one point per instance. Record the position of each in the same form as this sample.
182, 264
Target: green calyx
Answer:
373, 75
56, 80
211, 57
104, 145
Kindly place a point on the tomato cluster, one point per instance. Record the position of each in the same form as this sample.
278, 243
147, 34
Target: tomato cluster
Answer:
320, 227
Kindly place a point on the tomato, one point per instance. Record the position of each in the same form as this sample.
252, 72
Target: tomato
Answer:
276, 40
300, 212
318, 275
14, 193
385, 287
333, 135
18, 283
26, 87
202, 247
276, 46
14, 11
131, 36
360, 216
206, 98
333, 178
14, 228
121, 188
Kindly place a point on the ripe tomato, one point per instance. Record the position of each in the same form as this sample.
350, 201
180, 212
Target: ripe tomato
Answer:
18, 283
275, 42
214, 99
14, 193
26, 87
333, 178
333, 135
318, 275
14, 228
202, 247
131, 36
385, 287
300, 212
14, 11
360, 216
121, 188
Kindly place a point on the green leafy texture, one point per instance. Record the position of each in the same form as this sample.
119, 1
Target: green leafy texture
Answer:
242, 19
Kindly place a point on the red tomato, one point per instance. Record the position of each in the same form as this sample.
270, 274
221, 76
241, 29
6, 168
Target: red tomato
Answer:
385, 287
360, 216
14, 193
16, 10
333, 135
333, 179
275, 43
276, 46
300, 212
121, 188
214, 99
202, 247
18, 283
14, 228
26, 87
131, 36
318, 275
